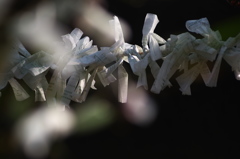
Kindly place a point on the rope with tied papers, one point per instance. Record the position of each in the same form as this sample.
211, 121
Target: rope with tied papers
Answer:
76, 62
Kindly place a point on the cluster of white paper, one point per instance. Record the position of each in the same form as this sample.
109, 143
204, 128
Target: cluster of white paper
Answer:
76, 62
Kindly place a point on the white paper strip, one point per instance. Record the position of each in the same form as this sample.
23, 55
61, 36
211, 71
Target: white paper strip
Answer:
122, 84
19, 92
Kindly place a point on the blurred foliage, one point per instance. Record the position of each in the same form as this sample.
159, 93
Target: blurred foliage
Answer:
229, 27
93, 115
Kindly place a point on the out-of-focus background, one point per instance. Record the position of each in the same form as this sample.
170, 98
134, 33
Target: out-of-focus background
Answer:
168, 125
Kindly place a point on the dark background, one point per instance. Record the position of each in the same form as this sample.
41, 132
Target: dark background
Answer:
203, 125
